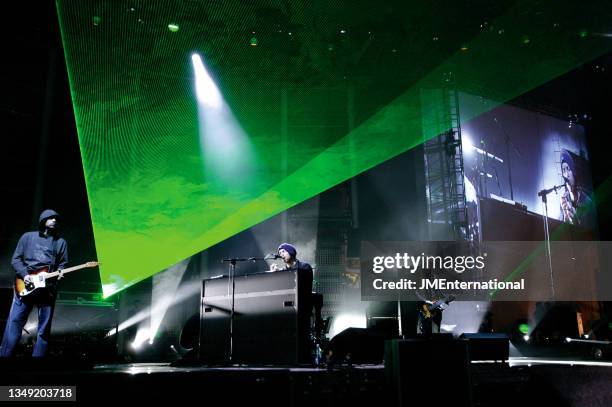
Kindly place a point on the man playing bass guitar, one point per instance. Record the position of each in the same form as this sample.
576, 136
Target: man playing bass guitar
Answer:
430, 315
36, 250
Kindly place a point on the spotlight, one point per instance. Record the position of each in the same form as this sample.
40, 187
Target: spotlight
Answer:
344, 321
207, 91
173, 27
466, 143
568, 340
142, 336
526, 338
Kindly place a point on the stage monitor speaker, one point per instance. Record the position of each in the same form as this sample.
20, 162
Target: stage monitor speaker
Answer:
488, 346
357, 345
429, 370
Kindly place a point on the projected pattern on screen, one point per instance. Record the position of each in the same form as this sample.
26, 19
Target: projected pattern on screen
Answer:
170, 171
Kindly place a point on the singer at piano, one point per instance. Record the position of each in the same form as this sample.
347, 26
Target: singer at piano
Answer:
288, 253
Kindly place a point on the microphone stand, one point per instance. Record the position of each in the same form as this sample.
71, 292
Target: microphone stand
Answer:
508, 142
484, 169
543, 194
498, 185
232, 280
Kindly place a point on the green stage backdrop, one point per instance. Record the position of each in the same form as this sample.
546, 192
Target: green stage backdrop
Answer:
182, 107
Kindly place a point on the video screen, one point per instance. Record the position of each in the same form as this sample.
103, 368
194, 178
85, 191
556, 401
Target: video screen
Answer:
527, 159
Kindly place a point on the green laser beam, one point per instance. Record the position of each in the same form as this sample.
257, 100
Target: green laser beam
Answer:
153, 203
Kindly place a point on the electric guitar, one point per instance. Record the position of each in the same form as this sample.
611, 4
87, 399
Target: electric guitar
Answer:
352, 276
430, 310
39, 278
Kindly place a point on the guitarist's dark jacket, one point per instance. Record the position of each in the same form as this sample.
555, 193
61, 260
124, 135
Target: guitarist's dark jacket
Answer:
36, 250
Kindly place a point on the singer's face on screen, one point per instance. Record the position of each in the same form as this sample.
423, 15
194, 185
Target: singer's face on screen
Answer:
567, 173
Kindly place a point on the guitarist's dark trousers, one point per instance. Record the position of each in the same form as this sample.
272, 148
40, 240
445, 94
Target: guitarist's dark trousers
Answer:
429, 326
44, 300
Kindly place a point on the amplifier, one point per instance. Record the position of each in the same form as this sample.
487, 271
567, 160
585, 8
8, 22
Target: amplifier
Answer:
488, 346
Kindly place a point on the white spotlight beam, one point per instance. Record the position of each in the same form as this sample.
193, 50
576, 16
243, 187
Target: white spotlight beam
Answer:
165, 285
206, 90
183, 294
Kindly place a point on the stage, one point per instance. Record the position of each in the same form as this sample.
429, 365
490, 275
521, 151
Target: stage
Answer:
412, 196
520, 381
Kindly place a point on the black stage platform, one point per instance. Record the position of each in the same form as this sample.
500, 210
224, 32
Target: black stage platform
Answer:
520, 382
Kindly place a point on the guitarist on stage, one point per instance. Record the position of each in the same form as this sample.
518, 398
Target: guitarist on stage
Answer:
430, 315
429, 321
36, 250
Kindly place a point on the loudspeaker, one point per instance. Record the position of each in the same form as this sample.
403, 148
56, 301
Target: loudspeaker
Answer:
487, 346
357, 345
429, 370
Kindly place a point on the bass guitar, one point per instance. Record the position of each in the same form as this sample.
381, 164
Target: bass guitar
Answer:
38, 278
430, 310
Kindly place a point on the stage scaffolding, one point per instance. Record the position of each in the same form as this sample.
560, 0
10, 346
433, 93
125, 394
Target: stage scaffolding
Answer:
444, 172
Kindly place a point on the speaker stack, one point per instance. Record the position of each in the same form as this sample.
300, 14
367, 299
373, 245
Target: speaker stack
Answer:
423, 371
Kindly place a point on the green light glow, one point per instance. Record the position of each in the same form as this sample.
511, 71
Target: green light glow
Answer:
524, 329
168, 175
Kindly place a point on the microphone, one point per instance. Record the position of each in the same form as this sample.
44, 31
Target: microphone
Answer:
549, 190
272, 256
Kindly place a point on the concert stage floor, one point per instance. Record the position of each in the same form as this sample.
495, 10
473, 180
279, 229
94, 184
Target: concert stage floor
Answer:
522, 381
